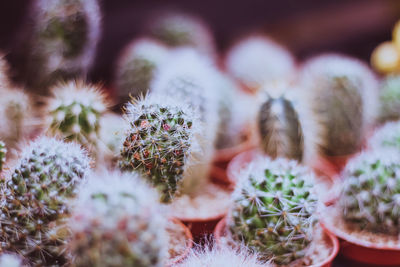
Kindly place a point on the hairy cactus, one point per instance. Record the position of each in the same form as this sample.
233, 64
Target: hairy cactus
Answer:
63, 41
159, 142
3, 152
370, 198
343, 97
257, 60
74, 111
178, 29
116, 221
34, 199
274, 209
10, 260
137, 66
390, 99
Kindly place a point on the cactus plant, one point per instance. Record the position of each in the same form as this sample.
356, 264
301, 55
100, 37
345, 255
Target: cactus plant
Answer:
137, 66
73, 112
10, 260
257, 59
116, 221
274, 209
388, 136
3, 152
159, 142
370, 198
34, 199
343, 97
389, 97
63, 42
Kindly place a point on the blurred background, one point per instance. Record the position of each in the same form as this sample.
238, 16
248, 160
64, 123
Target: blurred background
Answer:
306, 27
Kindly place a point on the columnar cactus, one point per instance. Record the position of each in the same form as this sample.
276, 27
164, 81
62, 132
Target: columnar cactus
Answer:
74, 111
10, 260
3, 152
257, 59
160, 141
116, 221
274, 209
370, 198
137, 66
63, 42
343, 97
390, 99
34, 199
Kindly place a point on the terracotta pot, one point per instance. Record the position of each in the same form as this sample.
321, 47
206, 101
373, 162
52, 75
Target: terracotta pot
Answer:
189, 243
238, 163
220, 231
363, 251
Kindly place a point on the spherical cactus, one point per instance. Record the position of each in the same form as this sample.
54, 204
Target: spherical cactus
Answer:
63, 42
137, 66
160, 141
370, 198
34, 199
390, 99
256, 60
274, 209
10, 260
3, 152
179, 29
116, 221
74, 111
343, 97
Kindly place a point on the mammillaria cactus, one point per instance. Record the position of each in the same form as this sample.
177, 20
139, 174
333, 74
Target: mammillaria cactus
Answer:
137, 67
74, 112
274, 209
3, 152
370, 198
10, 260
116, 221
256, 60
160, 141
34, 199
343, 97
390, 99
63, 42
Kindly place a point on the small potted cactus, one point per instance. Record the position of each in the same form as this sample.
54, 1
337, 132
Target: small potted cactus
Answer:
389, 99
35, 197
366, 212
116, 221
256, 60
274, 213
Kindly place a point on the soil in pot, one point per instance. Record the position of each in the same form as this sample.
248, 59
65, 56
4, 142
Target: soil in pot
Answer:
180, 241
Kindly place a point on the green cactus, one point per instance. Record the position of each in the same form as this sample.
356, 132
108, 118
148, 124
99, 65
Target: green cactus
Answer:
35, 199
370, 198
74, 112
3, 152
390, 99
274, 209
10, 260
63, 41
159, 142
116, 221
137, 66
344, 101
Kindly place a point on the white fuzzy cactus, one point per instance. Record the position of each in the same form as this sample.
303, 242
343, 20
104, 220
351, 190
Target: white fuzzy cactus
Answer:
256, 60
116, 221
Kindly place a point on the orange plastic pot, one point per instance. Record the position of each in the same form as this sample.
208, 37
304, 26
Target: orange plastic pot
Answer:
220, 231
189, 243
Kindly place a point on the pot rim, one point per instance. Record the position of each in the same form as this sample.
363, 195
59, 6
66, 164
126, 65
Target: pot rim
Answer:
189, 242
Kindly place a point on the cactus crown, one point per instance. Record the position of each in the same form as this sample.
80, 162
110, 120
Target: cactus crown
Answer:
34, 198
3, 152
160, 141
74, 112
390, 99
274, 209
116, 221
370, 196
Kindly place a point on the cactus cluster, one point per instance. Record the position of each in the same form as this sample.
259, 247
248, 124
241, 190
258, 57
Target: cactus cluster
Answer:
74, 111
274, 209
137, 66
116, 221
159, 142
63, 42
343, 97
389, 97
34, 199
370, 197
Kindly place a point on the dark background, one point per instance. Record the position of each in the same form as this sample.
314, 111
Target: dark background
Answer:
306, 27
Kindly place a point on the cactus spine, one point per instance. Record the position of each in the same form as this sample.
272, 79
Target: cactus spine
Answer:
34, 199
274, 209
116, 221
370, 198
